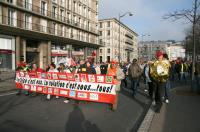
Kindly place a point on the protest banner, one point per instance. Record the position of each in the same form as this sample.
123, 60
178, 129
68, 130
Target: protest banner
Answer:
90, 87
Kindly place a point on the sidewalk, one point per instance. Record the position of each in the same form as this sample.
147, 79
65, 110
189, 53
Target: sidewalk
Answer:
7, 82
180, 115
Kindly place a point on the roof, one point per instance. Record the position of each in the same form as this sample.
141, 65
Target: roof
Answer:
114, 19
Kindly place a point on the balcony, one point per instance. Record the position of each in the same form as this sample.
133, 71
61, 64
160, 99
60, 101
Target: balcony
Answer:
23, 27
129, 42
129, 48
50, 15
129, 35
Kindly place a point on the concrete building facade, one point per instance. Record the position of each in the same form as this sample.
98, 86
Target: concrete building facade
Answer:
41, 31
109, 36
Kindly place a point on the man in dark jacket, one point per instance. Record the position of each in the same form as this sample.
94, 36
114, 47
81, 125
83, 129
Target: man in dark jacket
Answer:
134, 73
103, 68
90, 69
82, 67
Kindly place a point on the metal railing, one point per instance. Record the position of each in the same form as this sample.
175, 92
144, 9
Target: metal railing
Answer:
53, 15
18, 23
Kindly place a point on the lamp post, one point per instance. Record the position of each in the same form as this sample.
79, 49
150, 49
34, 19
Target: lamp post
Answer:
120, 16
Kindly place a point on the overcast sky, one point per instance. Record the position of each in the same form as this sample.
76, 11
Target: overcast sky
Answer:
147, 18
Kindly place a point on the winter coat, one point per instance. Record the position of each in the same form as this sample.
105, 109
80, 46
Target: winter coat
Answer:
134, 71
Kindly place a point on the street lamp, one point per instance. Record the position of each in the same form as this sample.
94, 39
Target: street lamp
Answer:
120, 16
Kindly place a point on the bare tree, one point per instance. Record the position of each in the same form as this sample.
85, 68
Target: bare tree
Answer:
193, 16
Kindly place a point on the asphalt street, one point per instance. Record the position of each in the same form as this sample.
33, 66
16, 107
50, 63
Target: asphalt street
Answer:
181, 114
36, 114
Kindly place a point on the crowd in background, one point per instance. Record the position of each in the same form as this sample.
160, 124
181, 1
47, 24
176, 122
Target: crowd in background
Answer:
135, 71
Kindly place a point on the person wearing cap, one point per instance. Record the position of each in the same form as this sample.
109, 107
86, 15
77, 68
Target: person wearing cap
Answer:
116, 71
159, 73
134, 73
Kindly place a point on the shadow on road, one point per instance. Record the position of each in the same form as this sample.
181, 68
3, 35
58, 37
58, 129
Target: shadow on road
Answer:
141, 100
78, 123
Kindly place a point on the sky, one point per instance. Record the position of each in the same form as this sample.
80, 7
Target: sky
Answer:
147, 17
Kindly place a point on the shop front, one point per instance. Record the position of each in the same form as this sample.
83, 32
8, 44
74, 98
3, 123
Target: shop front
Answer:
7, 53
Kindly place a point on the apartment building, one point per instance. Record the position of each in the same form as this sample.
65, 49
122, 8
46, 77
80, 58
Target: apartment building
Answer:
119, 40
41, 31
147, 49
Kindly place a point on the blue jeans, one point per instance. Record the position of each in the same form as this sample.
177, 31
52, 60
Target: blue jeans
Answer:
183, 76
134, 85
167, 88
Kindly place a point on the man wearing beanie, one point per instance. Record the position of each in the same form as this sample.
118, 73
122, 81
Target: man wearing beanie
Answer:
134, 73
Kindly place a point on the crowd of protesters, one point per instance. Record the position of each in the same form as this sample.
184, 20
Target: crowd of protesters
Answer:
135, 72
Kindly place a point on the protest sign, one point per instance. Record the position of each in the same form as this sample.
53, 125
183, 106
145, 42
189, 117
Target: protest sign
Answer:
90, 87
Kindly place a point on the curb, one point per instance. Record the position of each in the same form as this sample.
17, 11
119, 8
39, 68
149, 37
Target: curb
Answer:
146, 123
7, 91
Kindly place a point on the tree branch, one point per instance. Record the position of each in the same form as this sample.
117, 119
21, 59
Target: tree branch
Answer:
179, 15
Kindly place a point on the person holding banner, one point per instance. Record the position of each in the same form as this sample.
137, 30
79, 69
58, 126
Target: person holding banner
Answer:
21, 66
82, 67
90, 69
33, 73
116, 71
64, 69
52, 69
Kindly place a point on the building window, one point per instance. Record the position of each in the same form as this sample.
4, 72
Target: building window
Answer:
12, 17
100, 50
100, 24
53, 11
68, 17
100, 41
54, 30
10, 1
62, 2
43, 7
62, 15
28, 4
108, 33
108, 24
108, 59
62, 30
100, 33
100, 57
54, 1
108, 50
27, 21
43, 23
74, 6
68, 4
